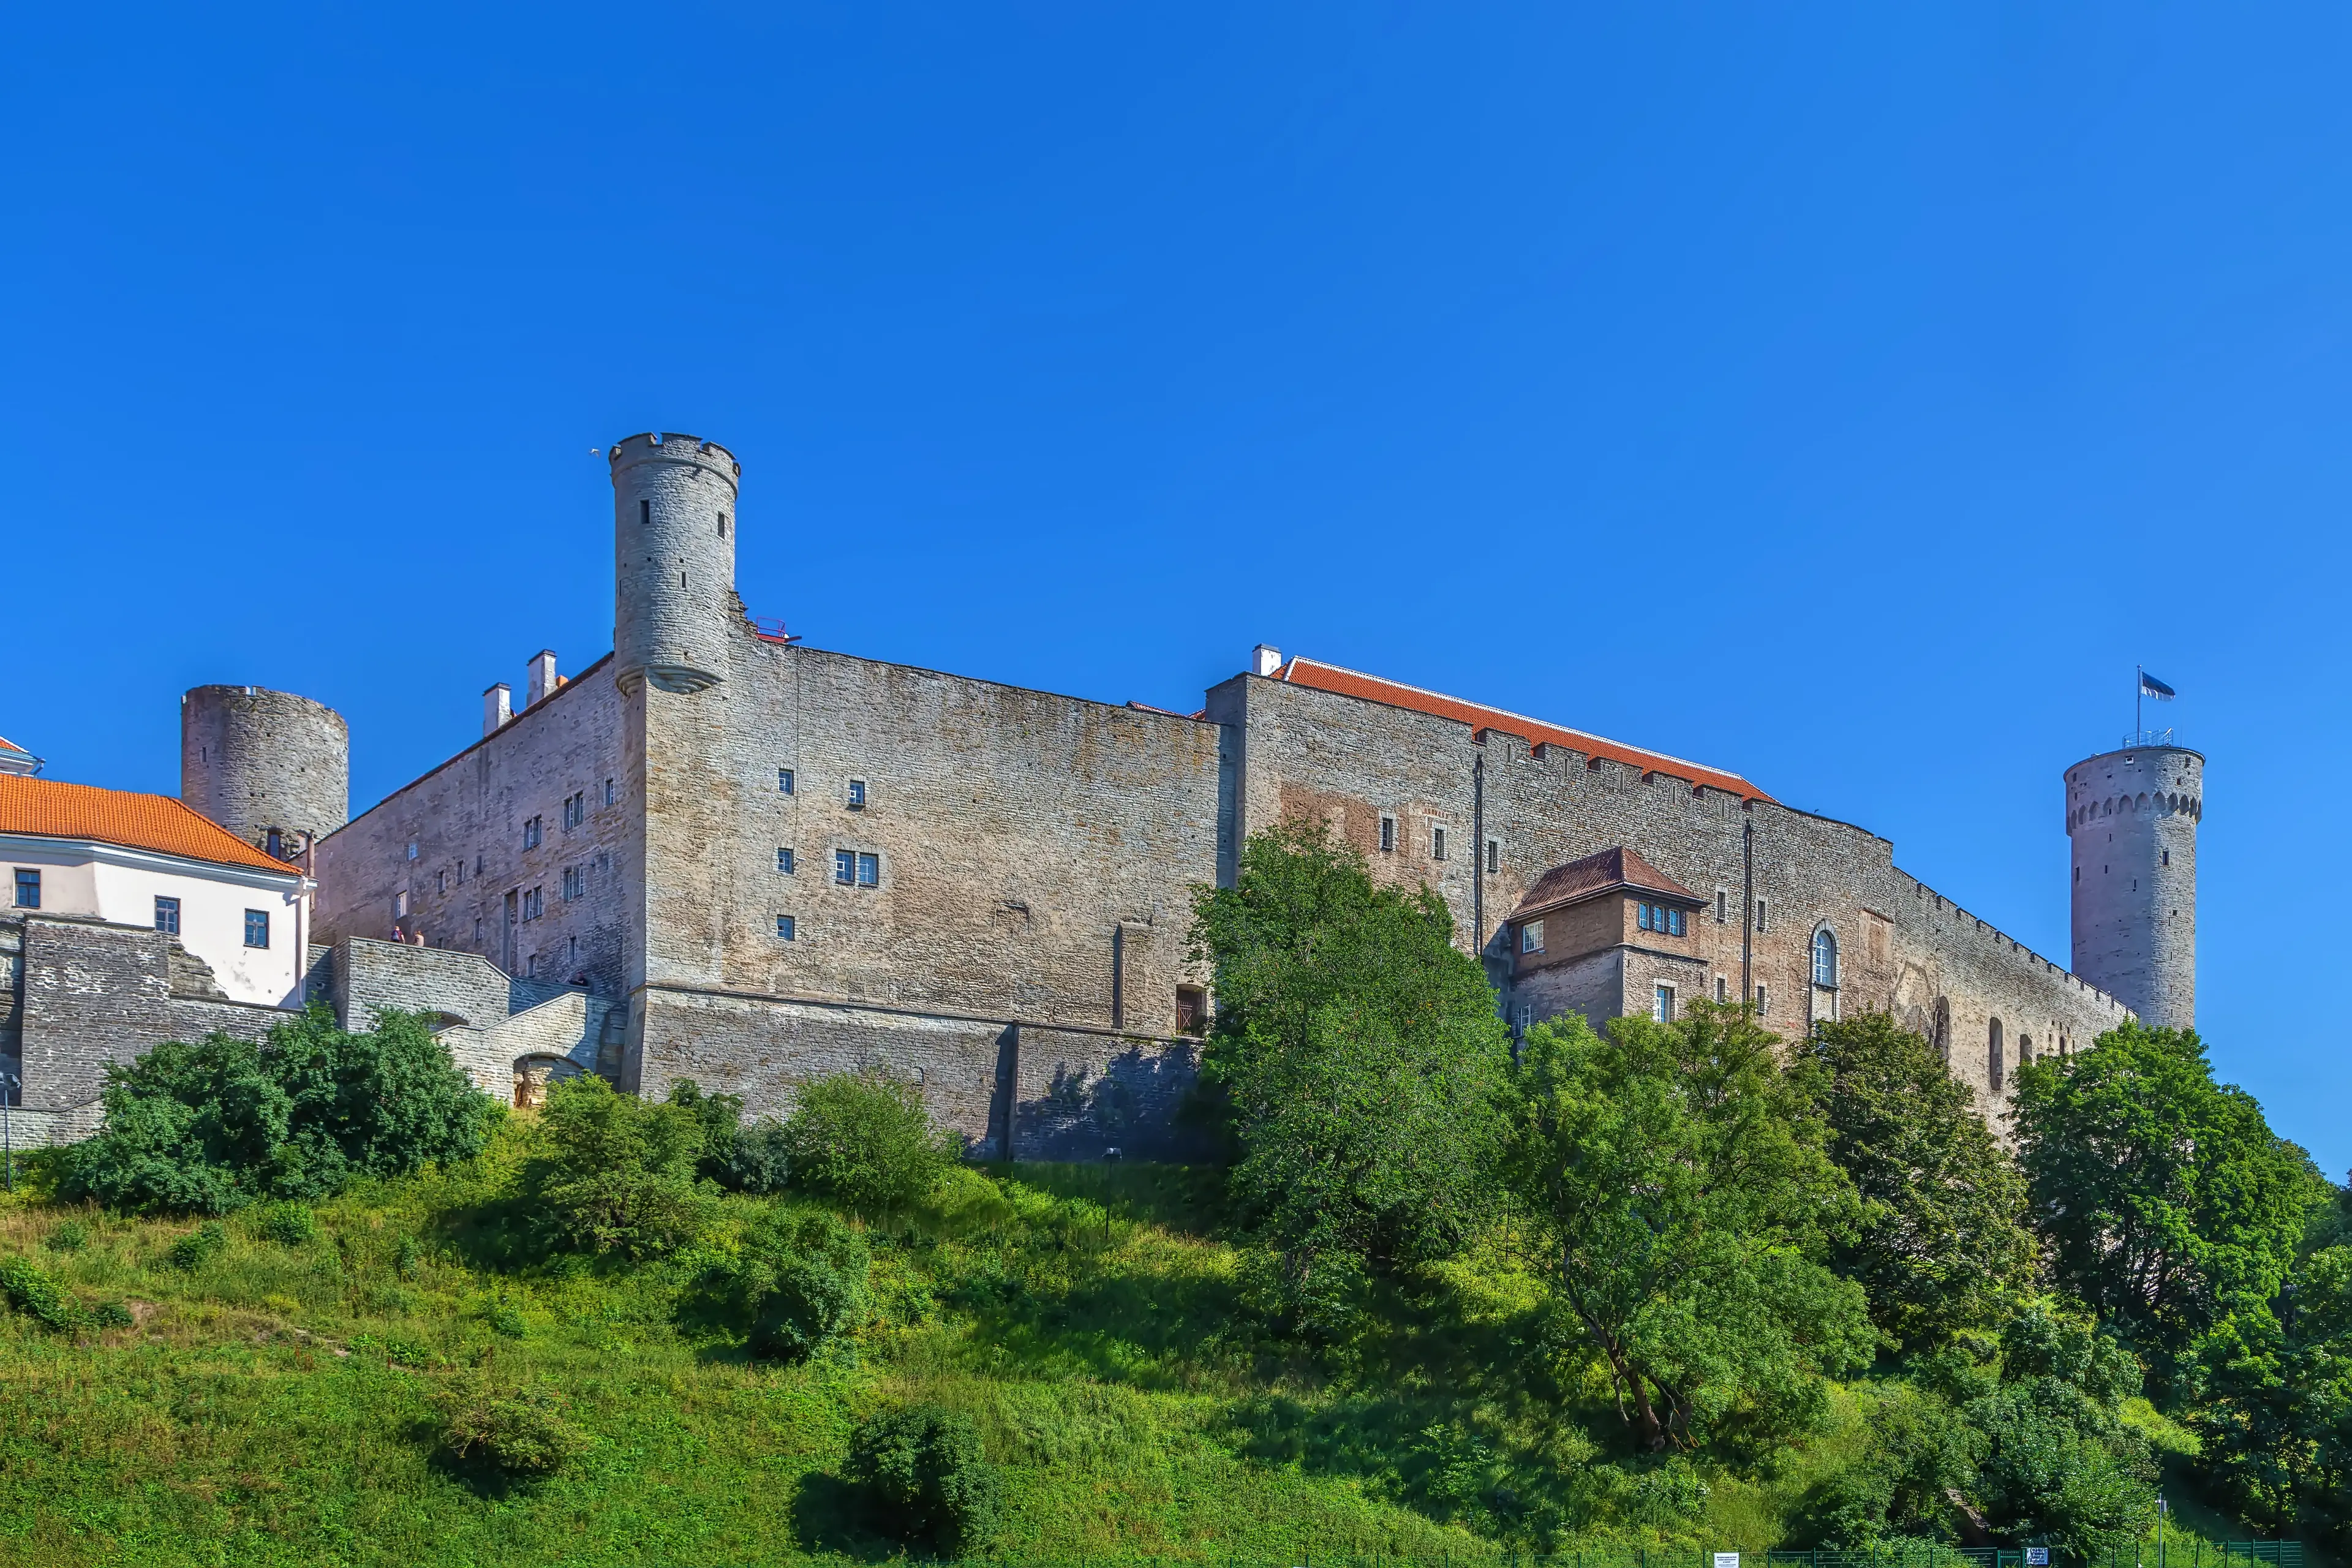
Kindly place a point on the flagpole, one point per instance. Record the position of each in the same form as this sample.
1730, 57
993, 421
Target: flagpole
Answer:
2139, 685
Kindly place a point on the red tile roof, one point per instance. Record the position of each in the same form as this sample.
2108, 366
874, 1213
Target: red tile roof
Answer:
1396, 694
15, 755
1610, 869
49, 808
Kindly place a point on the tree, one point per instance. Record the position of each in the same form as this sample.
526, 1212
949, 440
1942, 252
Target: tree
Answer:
1942, 1243
210, 1127
2165, 1198
926, 1478
1360, 1055
2273, 1402
615, 1174
1677, 1199
866, 1139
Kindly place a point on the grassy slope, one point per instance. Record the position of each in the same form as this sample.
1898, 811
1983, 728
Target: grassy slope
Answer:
277, 1405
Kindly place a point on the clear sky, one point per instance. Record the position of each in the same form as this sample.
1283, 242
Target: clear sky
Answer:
1846, 396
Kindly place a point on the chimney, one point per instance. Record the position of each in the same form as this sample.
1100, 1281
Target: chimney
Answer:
1266, 660
542, 676
498, 706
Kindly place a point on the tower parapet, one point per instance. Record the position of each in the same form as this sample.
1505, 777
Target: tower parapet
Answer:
273, 768
2132, 816
674, 560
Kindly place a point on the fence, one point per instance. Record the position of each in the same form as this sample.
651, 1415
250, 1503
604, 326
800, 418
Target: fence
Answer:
2193, 1554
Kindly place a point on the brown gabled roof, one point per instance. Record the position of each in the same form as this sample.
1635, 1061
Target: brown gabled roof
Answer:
50, 808
1606, 872
1396, 694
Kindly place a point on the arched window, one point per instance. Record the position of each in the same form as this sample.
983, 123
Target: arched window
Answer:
1824, 957
1943, 1039
2025, 1050
1994, 1068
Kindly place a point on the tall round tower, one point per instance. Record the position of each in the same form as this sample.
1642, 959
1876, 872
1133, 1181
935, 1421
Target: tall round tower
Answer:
273, 768
2133, 817
674, 560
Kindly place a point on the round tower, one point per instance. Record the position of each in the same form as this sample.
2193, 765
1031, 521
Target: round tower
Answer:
273, 768
673, 561
2132, 816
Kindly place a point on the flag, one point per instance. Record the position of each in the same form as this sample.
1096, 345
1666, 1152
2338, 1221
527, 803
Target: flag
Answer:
2149, 686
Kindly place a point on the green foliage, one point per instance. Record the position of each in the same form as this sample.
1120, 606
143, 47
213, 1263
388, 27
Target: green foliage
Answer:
1359, 1058
2060, 1467
1920, 1452
200, 1245
210, 1127
613, 1174
1678, 1201
522, 1435
867, 1140
926, 1480
1942, 1245
507, 1320
2274, 1406
754, 1159
288, 1224
70, 1236
2165, 1198
34, 1293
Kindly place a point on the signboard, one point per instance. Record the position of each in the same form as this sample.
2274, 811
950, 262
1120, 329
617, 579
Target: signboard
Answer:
1727, 1559
2037, 1557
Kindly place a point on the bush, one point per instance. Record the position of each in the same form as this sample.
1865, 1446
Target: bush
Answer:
806, 1281
865, 1140
200, 1245
34, 1293
288, 1225
70, 1236
213, 1126
760, 1162
522, 1435
925, 1480
613, 1174
508, 1320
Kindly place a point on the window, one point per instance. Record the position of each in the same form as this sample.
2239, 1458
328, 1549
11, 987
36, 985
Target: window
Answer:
845, 867
1191, 1010
1722, 991
167, 916
1941, 1030
1387, 835
645, 513
533, 831
576, 882
787, 929
399, 906
722, 525
783, 781
2168, 856
1661, 1005
1993, 1064
1531, 937
1662, 919
1527, 1017
1761, 922
257, 928
274, 844
575, 809
784, 862
1722, 907
857, 794
411, 852
869, 871
478, 931
1761, 998
1494, 855
534, 903
608, 792
1824, 957
28, 889
441, 880
1437, 843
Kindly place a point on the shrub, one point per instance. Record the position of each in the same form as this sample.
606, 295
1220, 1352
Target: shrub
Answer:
212, 1127
35, 1294
406, 1258
70, 1236
288, 1225
761, 1160
200, 1245
926, 1479
867, 1140
613, 1174
523, 1436
508, 1320
111, 1315
807, 1281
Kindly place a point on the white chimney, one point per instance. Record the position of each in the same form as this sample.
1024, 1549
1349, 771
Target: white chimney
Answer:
498, 706
1266, 660
543, 675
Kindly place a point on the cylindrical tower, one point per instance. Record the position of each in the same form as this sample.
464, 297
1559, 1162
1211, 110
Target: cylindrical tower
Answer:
273, 768
2133, 816
673, 561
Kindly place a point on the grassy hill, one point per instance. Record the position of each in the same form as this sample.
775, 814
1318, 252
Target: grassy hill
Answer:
277, 1403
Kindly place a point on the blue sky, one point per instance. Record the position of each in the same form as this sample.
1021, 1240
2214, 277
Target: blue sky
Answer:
1847, 396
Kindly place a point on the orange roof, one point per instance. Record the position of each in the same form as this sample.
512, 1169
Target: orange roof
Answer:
1618, 867
47, 808
1396, 694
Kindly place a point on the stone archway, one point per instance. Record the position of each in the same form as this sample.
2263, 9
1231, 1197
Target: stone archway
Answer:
532, 1074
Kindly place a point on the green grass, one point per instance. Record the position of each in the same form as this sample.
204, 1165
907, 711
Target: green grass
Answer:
279, 1403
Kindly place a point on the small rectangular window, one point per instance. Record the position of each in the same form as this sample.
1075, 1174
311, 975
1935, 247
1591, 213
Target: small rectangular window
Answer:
869, 871
1661, 1005
28, 889
845, 867
1494, 855
1642, 916
533, 831
441, 880
784, 862
1677, 922
275, 843
1722, 907
1437, 843
857, 794
608, 792
787, 929
645, 513
167, 915
1527, 1017
1760, 998
1387, 835
1531, 937
399, 906
257, 928
1191, 1010
411, 852
1722, 990
1760, 922
478, 930
783, 781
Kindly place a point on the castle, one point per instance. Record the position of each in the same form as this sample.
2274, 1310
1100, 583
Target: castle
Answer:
718, 853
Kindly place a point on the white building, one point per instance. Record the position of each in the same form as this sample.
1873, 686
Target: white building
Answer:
147, 861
